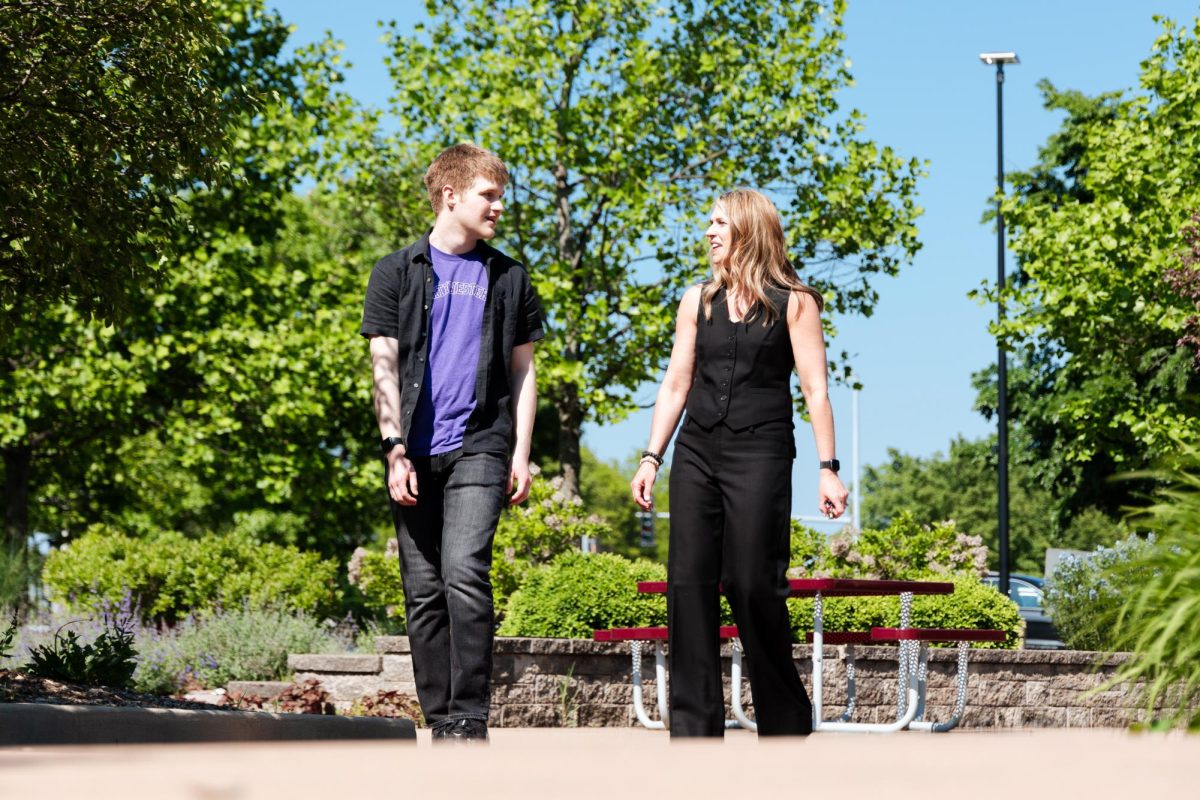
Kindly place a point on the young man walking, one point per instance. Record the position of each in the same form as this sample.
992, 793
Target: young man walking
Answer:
451, 323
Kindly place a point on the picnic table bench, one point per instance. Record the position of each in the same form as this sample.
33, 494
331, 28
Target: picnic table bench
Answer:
912, 648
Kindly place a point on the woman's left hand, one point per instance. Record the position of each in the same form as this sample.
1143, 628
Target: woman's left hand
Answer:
831, 495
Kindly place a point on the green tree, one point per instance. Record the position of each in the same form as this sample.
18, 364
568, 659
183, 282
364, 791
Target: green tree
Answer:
621, 120
106, 114
234, 396
961, 486
1102, 382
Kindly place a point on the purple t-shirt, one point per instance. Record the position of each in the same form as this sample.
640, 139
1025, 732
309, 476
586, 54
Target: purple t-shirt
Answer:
456, 326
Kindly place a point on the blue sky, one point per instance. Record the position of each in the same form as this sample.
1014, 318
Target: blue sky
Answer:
925, 93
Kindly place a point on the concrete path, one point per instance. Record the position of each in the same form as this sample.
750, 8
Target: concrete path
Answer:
611, 763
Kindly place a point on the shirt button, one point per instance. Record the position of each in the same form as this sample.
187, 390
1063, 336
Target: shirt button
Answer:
722, 397
724, 384
414, 385
426, 306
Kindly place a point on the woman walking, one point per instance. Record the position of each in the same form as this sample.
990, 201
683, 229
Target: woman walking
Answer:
737, 338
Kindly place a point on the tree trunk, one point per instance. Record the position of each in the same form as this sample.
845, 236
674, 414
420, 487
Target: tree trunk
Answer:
570, 424
17, 463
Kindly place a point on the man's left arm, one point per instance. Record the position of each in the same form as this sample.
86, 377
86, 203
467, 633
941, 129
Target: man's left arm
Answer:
524, 384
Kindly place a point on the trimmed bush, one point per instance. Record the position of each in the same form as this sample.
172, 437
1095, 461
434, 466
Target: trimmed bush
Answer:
973, 605
170, 576
578, 593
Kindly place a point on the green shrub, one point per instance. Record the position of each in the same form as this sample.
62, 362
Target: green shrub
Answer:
170, 576
536, 531
1083, 599
377, 576
1159, 620
213, 649
6, 638
972, 605
108, 660
578, 593
905, 550
528, 535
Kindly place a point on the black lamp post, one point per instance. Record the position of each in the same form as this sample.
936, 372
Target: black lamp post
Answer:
1000, 59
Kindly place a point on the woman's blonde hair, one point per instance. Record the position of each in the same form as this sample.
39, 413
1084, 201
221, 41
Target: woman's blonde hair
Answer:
757, 257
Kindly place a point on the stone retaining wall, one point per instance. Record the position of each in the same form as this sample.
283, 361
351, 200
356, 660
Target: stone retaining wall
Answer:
554, 682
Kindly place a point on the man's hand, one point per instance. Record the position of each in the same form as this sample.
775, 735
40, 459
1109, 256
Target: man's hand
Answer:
402, 478
519, 479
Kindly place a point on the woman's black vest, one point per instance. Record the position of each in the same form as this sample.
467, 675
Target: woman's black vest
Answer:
743, 370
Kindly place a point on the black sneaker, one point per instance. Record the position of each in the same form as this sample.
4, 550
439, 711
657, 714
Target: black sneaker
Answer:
441, 733
466, 730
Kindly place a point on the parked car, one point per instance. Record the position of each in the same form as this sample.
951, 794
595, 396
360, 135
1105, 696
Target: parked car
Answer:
1027, 592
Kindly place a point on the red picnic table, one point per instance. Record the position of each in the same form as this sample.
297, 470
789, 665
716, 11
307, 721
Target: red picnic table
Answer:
912, 661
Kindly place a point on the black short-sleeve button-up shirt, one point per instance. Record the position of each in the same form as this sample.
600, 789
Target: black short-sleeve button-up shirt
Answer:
399, 296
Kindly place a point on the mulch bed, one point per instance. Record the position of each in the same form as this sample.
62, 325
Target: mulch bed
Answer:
17, 687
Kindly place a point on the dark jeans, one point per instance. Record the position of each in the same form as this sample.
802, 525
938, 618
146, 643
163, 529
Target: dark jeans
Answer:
731, 497
445, 560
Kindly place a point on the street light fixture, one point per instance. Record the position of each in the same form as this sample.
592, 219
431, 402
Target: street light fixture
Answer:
1000, 59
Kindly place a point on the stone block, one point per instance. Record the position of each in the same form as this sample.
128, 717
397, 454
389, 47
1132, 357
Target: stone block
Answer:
263, 689
335, 663
506, 644
621, 693
1114, 716
605, 716
396, 668
392, 644
1079, 717
525, 668
347, 687
1010, 717
550, 647
976, 717
996, 693
529, 716
1044, 717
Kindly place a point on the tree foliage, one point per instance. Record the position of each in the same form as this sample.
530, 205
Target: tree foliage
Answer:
961, 486
621, 122
107, 112
236, 396
1102, 382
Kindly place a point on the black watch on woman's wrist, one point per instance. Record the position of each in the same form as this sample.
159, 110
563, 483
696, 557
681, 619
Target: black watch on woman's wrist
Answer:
832, 464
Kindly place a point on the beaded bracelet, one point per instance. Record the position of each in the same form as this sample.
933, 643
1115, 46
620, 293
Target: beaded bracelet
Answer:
650, 455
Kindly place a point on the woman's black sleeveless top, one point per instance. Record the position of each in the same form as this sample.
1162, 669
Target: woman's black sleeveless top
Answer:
743, 370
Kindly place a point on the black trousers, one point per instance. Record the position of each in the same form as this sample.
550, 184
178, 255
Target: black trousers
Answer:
731, 500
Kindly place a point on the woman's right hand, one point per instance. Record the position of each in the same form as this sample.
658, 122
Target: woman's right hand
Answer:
642, 485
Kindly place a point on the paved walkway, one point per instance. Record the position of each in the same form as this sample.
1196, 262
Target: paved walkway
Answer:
611, 762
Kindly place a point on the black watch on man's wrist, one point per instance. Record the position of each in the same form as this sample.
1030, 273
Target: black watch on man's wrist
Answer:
389, 442
832, 464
